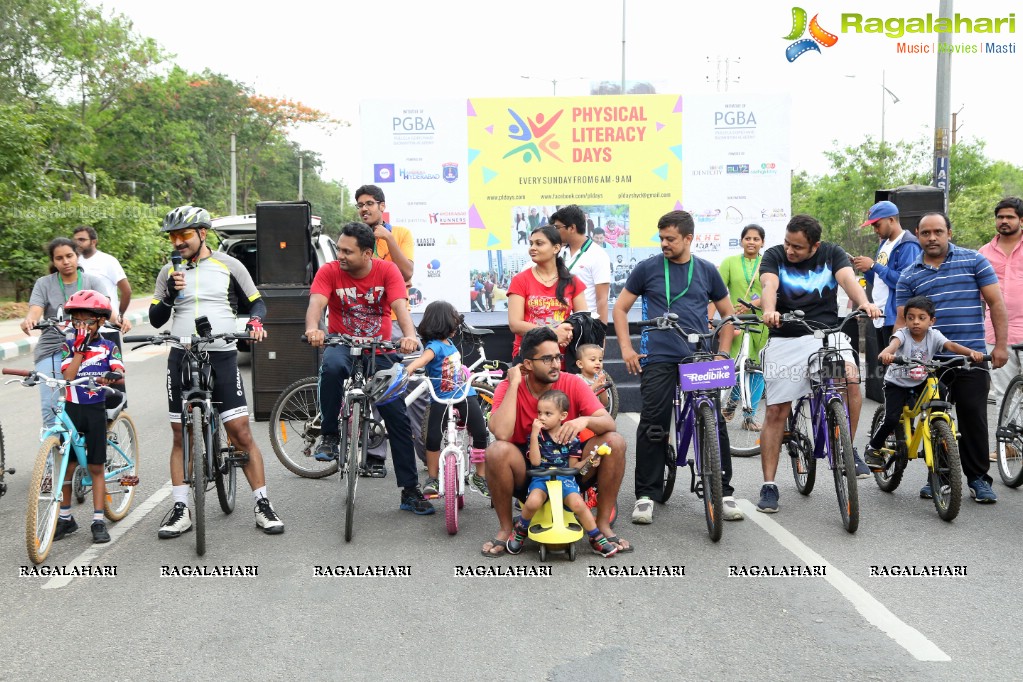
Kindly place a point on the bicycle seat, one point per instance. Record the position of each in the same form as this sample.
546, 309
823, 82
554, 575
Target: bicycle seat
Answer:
551, 473
115, 404
475, 331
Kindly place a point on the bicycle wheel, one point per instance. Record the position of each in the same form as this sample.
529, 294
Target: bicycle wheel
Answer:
225, 473
1009, 442
294, 428
946, 474
43, 507
354, 440
485, 394
670, 468
800, 446
78, 487
611, 391
710, 470
195, 458
122, 468
451, 494
3, 465
889, 479
744, 427
844, 468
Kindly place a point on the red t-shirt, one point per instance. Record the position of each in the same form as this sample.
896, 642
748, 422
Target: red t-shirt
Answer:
581, 403
542, 306
360, 307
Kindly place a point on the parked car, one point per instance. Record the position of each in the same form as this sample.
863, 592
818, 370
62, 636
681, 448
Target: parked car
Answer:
237, 235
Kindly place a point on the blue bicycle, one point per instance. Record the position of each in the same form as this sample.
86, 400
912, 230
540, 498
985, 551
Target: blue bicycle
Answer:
822, 414
59, 443
702, 376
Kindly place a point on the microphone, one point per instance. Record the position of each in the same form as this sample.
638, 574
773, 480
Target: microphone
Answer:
178, 266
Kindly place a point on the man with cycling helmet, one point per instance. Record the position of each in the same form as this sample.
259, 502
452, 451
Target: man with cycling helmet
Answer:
213, 285
361, 292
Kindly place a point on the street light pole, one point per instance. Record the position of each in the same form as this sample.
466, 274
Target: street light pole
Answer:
942, 105
623, 47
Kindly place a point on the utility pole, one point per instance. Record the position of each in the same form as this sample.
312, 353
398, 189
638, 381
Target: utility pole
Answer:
300, 164
942, 107
234, 176
623, 48
724, 72
955, 128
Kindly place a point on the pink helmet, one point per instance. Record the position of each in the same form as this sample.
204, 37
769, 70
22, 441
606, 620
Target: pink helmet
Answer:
90, 301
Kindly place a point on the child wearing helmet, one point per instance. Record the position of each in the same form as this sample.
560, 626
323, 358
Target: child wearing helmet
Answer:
86, 354
444, 368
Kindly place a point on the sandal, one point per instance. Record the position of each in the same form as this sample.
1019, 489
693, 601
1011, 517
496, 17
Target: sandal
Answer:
749, 424
617, 542
602, 546
500, 545
518, 537
728, 411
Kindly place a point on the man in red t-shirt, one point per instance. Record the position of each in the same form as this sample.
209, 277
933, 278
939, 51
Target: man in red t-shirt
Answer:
360, 293
511, 422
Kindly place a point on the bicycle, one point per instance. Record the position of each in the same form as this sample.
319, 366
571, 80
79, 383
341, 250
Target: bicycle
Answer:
63, 441
823, 414
206, 450
1009, 433
4, 469
701, 379
744, 431
927, 425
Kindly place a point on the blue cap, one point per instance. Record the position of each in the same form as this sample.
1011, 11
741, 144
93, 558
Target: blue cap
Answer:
882, 209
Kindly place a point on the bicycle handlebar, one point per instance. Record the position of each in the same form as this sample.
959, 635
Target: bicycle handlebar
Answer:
797, 316
167, 337
938, 364
33, 378
355, 342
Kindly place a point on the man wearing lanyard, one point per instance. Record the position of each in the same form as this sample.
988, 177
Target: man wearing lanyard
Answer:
393, 243
680, 283
592, 266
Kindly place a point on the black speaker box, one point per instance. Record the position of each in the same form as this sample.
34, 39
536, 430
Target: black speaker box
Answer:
913, 202
284, 239
282, 358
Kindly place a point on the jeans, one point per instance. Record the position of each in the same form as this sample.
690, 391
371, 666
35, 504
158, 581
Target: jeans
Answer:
335, 369
50, 366
657, 387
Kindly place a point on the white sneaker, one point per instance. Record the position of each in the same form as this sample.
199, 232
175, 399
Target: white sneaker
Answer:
643, 512
177, 521
730, 510
267, 519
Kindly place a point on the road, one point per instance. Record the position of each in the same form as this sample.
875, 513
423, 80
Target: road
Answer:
287, 621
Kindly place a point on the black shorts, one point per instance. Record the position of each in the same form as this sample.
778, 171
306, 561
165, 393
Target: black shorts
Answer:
91, 422
228, 392
521, 492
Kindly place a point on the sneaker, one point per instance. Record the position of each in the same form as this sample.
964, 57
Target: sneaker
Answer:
177, 521
267, 519
480, 483
412, 500
99, 532
643, 512
65, 528
601, 546
328, 449
862, 470
873, 459
730, 510
926, 492
517, 539
432, 487
981, 492
768, 499
728, 411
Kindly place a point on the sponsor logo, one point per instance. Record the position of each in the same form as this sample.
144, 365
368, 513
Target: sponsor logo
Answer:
709, 170
532, 137
737, 168
433, 268
417, 174
448, 218
450, 171
818, 36
383, 172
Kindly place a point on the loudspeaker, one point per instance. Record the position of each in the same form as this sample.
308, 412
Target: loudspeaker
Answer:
913, 202
284, 239
282, 358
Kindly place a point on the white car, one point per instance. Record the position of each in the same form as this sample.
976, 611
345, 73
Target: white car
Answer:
237, 235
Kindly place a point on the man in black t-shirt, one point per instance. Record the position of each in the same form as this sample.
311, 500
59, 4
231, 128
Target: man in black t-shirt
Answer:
802, 274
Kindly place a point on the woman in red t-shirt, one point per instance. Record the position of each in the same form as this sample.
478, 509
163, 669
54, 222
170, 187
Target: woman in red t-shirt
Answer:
545, 294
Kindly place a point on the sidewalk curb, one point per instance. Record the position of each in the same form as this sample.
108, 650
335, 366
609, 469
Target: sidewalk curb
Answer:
14, 349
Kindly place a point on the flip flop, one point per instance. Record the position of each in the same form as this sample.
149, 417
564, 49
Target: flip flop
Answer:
617, 541
495, 543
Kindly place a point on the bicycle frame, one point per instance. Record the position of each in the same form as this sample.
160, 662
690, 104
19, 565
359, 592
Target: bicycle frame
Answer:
916, 422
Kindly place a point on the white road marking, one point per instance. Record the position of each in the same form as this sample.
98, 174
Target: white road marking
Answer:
116, 531
873, 611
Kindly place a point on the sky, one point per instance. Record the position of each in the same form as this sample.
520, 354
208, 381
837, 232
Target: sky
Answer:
332, 57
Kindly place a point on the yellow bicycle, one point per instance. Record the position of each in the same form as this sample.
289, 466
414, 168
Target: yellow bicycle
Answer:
926, 427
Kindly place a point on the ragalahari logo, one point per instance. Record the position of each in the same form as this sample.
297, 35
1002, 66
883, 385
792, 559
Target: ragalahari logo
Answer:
817, 36
535, 135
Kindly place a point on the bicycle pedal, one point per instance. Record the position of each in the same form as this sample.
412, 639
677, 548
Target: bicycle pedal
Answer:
128, 480
238, 460
9, 471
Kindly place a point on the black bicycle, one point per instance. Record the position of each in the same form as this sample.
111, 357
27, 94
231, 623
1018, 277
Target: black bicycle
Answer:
207, 452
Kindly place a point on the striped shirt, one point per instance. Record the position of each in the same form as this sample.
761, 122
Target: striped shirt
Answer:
954, 288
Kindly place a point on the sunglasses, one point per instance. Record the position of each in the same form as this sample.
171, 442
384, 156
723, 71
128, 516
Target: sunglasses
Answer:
181, 235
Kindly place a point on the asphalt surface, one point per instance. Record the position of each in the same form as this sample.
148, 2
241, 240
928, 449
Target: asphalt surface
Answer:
704, 624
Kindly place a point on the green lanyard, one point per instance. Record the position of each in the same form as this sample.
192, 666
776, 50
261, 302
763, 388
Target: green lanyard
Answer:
581, 252
749, 275
78, 286
667, 282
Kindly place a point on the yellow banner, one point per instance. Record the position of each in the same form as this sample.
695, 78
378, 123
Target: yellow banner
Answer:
527, 156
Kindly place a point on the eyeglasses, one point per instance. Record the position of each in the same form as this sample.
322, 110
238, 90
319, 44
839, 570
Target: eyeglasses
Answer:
367, 204
181, 235
548, 359
85, 320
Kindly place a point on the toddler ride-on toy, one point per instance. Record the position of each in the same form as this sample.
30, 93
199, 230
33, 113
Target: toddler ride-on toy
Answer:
554, 532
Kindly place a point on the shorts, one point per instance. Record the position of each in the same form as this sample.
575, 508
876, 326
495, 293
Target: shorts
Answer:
228, 392
521, 492
91, 422
786, 363
568, 485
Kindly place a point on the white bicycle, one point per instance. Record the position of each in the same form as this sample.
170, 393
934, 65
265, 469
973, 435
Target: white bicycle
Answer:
745, 400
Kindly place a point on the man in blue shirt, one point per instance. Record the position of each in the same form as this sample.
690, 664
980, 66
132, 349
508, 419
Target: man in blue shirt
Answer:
680, 283
955, 279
